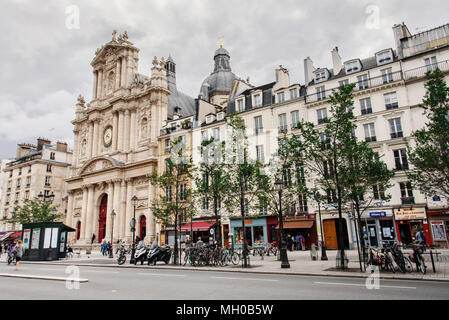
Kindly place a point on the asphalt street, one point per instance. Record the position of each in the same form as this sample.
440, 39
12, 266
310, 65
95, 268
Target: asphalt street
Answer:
128, 283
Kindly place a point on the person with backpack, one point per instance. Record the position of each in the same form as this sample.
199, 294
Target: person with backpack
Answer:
18, 251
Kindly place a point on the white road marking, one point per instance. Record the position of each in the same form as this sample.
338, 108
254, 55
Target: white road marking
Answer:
251, 279
160, 274
361, 285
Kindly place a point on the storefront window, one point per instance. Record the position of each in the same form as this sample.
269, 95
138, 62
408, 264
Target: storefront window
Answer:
258, 235
238, 235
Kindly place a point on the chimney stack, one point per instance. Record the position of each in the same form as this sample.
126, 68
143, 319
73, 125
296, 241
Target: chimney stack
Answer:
308, 70
336, 60
41, 142
61, 146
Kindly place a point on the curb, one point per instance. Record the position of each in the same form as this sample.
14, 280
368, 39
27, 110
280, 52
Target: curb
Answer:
41, 277
361, 276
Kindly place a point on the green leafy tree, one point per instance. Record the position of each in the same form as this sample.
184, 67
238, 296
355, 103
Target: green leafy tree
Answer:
35, 210
344, 168
172, 202
429, 157
212, 180
246, 177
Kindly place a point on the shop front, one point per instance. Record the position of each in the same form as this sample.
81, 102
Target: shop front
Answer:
199, 229
378, 227
305, 227
255, 229
408, 222
439, 225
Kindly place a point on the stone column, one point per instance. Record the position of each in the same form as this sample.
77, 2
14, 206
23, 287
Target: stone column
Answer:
123, 79
95, 86
114, 131
123, 206
129, 209
69, 217
84, 214
133, 133
95, 139
151, 224
100, 84
90, 216
120, 139
110, 208
91, 139
127, 129
117, 74
116, 206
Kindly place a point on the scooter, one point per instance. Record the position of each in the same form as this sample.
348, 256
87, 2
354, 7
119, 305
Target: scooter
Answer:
157, 253
140, 254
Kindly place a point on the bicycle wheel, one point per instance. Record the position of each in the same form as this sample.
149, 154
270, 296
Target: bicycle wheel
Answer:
422, 266
121, 259
408, 264
186, 258
235, 258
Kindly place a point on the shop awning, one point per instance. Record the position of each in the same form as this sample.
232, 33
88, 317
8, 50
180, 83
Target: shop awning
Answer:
4, 235
305, 224
197, 226
16, 235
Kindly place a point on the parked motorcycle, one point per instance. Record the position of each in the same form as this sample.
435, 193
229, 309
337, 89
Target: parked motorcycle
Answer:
157, 253
140, 254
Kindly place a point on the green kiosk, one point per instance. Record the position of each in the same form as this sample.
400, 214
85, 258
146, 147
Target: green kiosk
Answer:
44, 241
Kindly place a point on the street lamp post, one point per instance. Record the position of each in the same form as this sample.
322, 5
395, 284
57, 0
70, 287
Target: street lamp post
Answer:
111, 255
323, 245
134, 202
283, 247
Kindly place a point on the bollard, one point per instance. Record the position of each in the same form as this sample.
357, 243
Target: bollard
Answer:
433, 263
313, 252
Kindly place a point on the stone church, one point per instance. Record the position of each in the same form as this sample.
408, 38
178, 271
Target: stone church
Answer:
116, 146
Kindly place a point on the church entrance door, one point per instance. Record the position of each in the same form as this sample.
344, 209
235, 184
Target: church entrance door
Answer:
102, 218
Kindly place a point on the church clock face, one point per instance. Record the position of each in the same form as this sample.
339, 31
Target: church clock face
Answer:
107, 136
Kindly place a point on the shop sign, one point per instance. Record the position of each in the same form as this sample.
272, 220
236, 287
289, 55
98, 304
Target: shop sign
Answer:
437, 213
26, 238
377, 214
410, 214
438, 230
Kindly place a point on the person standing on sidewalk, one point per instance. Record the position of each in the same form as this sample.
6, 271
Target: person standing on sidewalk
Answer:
19, 253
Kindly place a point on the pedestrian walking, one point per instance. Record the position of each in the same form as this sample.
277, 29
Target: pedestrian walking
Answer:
301, 241
18, 251
104, 247
297, 243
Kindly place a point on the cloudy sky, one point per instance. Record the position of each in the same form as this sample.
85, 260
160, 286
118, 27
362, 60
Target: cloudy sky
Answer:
47, 46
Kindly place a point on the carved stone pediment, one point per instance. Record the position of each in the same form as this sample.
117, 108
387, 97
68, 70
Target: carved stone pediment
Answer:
98, 165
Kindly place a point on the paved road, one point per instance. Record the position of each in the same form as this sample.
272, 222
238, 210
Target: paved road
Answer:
124, 283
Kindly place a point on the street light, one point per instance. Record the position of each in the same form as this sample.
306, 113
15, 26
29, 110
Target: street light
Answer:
134, 202
111, 255
283, 247
317, 195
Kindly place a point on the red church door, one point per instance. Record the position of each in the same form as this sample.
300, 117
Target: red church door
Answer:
102, 218
143, 227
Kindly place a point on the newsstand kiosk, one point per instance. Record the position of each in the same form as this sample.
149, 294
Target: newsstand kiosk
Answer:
44, 241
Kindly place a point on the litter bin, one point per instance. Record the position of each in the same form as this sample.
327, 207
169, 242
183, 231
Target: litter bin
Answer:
314, 252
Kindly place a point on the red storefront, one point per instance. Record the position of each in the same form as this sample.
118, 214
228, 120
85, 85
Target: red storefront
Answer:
439, 225
409, 221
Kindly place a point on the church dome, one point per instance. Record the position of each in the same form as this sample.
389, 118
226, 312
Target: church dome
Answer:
220, 81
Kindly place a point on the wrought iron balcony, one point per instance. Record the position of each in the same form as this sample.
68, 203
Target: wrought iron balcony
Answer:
408, 200
420, 72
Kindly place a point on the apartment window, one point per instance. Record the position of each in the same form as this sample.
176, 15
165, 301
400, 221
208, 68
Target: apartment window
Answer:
395, 128
365, 106
29, 169
9, 186
10, 174
258, 124
18, 183
379, 192
260, 154
384, 57
240, 105
47, 181
293, 94
328, 170
300, 174
48, 167
281, 97
363, 82
52, 156
325, 141
343, 83
406, 193
320, 93
16, 199
220, 116
431, 63
282, 122
352, 66
209, 119
302, 203
400, 159
183, 192
216, 134
391, 101
320, 76
322, 115
28, 181
204, 135
257, 101
370, 133
27, 195
387, 75
167, 145
168, 194
20, 172
295, 119
331, 196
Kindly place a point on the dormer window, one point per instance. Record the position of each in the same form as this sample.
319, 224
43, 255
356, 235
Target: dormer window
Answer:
384, 57
240, 105
257, 102
281, 97
321, 75
220, 116
353, 66
209, 119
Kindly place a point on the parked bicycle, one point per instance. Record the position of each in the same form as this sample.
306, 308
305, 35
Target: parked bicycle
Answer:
417, 258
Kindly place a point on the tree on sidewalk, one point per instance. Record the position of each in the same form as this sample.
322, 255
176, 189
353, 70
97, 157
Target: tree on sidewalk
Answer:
174, 190
35, 210
430, 154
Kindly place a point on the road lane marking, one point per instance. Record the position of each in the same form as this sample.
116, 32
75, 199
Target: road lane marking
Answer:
26, 276
160, 274
361, 285
251, 279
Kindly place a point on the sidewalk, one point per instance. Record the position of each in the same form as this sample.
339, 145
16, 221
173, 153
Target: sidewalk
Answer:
300, 264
